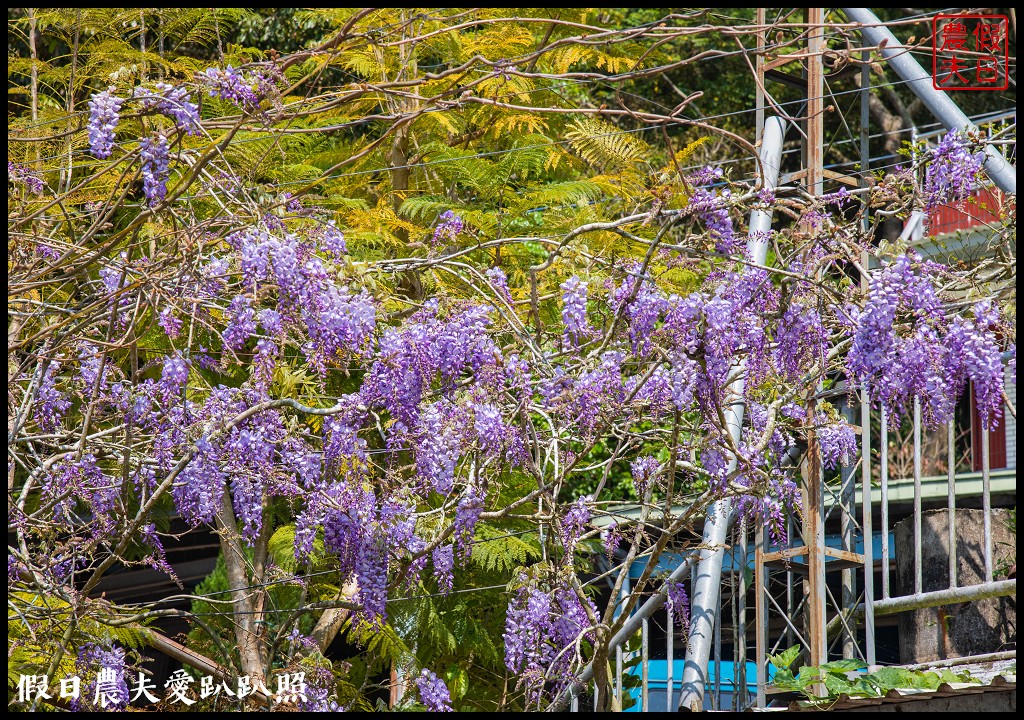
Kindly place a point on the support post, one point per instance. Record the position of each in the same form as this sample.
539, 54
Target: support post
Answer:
707, 581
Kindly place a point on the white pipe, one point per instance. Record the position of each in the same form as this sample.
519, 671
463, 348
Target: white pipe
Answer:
707, 583
720, 518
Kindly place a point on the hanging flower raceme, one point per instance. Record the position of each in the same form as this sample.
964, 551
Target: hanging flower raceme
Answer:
106, 687
644, 470
155, 167
21, 174
574, 311
448, 228
542, 631
104, 115
905, 348
232, 85
953, 170
838, 442
175, 102
497, 279
433, 692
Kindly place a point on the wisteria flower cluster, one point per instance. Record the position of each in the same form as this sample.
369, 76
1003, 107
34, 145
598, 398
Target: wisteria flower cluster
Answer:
953, 170
542, 633
433, 692
155, 167
449, 227
173, 101
106, 687
21, 174
574, 310
243, 88
104, 115
905, 348
270, 382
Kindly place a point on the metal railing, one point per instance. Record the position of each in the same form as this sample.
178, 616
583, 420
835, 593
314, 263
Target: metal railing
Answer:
849, 629
855, 553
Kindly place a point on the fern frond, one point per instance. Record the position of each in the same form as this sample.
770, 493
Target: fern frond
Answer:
603, 144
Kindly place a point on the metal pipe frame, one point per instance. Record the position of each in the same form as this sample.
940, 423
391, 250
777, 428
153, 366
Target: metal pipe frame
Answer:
708, 580
949, 596
874, 31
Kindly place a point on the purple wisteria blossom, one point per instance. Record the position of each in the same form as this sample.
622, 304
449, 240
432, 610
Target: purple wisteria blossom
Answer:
644, 469
155, 167
333, 241
106, 687
433, 692
104, 115
50, 404
449, 227
838, 443
467, 514
713, 209
22, 174
232, 85
611, 538
904, 347
443, 557
573, 523
678, 603
241, 323
953, 171
175, 102
497, 279
540, 630
574, 311
170, 323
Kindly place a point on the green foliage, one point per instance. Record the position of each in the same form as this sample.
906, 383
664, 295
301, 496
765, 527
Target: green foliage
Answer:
846, 677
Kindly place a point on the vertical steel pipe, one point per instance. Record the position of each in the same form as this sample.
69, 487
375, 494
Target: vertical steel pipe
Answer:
708, 579
790, 605
951, 496
645, 666
760, 614
869, 572
847, 577
733, 591
717, 693
986, 500
883, 447
865, 405
670, 651
918, 562
740, 656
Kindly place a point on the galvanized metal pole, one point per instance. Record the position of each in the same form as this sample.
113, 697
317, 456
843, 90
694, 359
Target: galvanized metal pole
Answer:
720, 517
670, 652
865, 405
951, 496
740, 672
883, 469
707, 583
847, 577
918, 562
760, 614
1002, 173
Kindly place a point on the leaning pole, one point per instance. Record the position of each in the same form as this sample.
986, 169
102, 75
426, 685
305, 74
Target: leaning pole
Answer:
898, 56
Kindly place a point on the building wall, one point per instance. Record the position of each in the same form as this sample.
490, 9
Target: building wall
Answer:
1010, 383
